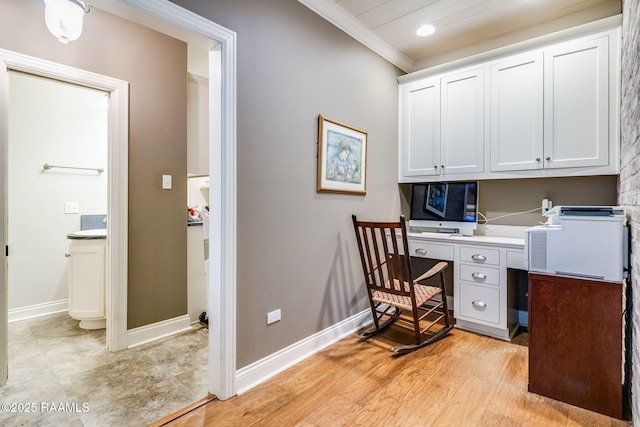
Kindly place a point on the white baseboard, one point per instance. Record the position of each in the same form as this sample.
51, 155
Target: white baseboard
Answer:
260, 371
37, 310
155, 331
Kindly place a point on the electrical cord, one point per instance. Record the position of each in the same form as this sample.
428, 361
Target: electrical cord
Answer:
487, 220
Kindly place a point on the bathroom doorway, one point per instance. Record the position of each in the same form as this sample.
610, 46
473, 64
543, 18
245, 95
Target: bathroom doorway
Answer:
117, 177
57, 179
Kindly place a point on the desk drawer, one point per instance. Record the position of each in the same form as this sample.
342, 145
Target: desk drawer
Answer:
480, 275
480, 255
480, 303
515, 259
431, 250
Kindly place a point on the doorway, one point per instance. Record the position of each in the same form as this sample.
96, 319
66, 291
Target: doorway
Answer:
117, 153
173, 20
56, 183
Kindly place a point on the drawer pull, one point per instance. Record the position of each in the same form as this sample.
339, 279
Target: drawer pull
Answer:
477, 303
480, 276
421, 251
478, 257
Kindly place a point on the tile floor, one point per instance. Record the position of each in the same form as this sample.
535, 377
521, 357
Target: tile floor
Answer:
52, 362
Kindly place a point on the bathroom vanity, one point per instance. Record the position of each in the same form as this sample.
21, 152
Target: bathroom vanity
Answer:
87, 272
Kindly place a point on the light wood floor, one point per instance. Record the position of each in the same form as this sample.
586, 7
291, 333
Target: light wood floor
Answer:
463, 380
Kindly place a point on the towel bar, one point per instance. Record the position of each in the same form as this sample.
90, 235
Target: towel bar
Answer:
47, 166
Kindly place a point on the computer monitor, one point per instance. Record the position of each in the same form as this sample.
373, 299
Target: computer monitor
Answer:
450, 207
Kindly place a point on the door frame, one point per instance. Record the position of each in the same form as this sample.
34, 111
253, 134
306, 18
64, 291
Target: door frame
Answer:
117, 165
221, 286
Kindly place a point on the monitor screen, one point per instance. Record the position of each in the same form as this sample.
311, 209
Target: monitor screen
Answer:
445, 205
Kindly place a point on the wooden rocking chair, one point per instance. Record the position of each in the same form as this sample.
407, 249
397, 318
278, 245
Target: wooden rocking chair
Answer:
393, 292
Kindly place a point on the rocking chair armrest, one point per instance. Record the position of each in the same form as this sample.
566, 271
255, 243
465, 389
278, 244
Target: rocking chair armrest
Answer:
431, 272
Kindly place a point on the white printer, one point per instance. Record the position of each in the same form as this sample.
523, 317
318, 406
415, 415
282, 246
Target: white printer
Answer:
581, 241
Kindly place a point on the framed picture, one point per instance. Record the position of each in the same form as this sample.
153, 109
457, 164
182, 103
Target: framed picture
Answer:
342, 157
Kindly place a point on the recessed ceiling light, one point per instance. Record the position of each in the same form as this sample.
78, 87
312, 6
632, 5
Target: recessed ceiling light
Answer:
426, 30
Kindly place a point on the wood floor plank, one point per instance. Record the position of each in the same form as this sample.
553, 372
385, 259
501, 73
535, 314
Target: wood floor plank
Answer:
464, 380
164, 421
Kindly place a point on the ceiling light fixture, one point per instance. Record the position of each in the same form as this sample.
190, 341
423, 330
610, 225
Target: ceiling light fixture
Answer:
64, 18
426, 30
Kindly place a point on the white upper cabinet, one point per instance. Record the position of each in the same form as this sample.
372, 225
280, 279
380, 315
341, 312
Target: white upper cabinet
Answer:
434, 143
516, 113
462, 122
420, 128
549, 111
576, 105
197, 125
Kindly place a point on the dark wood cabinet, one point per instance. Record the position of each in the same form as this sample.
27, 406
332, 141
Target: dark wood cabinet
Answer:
575, 341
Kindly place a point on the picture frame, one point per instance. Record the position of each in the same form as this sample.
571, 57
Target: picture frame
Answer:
342, 157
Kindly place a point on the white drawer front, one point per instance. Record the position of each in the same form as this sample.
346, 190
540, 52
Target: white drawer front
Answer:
480, 303
481, 275
431, 250
480, 255
515, 259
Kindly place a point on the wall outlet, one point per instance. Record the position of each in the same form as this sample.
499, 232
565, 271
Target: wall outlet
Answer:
274, 316
71, 207
546, 205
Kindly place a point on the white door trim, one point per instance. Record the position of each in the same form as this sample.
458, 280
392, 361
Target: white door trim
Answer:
222, 162
117, 212
222, 193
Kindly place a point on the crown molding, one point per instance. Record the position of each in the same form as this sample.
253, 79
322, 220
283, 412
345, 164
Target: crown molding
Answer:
333, 13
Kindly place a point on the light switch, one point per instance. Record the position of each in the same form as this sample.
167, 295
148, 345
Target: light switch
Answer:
166, 182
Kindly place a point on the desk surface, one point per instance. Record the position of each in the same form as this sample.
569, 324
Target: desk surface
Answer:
493, 240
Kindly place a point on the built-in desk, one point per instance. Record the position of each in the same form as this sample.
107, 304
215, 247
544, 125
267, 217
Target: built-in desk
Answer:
484, 300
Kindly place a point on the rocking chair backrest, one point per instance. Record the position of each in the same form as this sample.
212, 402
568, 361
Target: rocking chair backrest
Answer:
385, 269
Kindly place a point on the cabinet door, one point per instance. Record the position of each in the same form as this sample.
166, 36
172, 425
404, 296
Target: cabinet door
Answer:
462, 122
575, 341
420, 128
86, 281
197, 125
516, 113
576, 104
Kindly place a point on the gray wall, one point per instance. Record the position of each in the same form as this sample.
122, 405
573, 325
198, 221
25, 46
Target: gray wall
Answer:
296, 247
501, 197
155, 65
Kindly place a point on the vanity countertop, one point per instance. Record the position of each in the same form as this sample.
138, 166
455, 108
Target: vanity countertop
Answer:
99, 233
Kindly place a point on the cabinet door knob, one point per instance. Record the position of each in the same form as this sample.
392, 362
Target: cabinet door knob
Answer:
477, 303
421, 251
548, 159
442, 166
478, 257
537, 159
67, 255
480, 276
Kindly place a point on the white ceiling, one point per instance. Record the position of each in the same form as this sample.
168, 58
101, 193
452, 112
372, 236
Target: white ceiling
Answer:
463, 27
